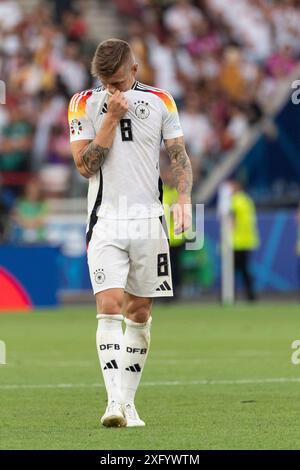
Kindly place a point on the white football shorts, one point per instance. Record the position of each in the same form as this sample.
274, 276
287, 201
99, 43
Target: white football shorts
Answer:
132, 255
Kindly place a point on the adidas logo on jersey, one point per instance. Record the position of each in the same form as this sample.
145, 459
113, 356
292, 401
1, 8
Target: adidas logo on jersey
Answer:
104, 109
134, 368
164, 286
111, 365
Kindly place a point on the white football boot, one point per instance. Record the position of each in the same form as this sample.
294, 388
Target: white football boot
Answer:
131, 416
113, 416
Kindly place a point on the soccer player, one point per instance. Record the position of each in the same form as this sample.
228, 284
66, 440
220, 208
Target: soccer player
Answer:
116, 132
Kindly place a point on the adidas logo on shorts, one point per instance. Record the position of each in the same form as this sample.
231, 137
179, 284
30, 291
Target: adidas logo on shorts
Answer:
164, 286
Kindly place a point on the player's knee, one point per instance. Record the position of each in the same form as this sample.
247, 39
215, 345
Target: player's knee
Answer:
140, 316
109, 304
139, 312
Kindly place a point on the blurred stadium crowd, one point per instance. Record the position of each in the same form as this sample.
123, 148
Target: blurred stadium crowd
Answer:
44, 59
221, 60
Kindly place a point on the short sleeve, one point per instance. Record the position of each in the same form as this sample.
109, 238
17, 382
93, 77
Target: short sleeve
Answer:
171, 127
81, 126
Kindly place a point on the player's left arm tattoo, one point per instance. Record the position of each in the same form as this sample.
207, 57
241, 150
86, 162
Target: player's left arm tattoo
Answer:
93, 157
180, 165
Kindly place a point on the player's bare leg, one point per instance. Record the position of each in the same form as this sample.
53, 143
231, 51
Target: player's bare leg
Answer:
109, 340
135, 351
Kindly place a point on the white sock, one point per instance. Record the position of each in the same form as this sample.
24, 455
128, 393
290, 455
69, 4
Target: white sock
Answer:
109, 340
135, 351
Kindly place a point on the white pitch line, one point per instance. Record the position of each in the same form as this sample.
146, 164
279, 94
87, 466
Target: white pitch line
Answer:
156, 384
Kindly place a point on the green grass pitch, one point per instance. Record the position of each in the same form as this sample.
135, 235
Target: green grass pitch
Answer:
216, 378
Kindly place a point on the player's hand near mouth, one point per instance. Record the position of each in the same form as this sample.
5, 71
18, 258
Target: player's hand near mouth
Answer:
117, 105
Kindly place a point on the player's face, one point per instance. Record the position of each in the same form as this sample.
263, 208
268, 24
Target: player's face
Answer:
122, 80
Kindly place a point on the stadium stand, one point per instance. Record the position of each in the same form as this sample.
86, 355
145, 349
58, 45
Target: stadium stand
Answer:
229, 66
223, 62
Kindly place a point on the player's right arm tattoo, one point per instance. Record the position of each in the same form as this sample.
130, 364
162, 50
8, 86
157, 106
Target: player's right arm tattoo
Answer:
93, 158
180, 165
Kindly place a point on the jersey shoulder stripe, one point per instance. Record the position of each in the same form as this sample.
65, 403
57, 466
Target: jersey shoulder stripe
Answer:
78, 103
162, 94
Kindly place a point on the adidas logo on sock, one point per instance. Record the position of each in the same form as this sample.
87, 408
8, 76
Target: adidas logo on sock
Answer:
164, 286
111, 365
134, 368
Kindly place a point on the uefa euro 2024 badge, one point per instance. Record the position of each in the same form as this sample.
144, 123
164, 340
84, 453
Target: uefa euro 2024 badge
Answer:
76, 127
142, 109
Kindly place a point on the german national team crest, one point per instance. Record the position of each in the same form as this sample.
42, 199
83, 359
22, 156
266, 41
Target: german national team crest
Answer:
142, 110
76, 127
99, 276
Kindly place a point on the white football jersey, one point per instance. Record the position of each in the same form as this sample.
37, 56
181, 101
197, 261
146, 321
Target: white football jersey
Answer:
128, 185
